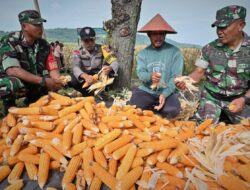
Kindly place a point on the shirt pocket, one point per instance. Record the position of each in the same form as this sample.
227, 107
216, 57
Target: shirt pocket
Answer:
96, 62
243, 70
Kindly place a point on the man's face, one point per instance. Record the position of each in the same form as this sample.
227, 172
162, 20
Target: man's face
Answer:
227, 35
157, 38
89, 44
33, 30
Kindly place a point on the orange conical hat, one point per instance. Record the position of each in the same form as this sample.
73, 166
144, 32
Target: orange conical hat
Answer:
157, 24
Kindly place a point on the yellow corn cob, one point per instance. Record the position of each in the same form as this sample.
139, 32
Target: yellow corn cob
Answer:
43, 169
172, 170
55, 154
51, 188
61, 102
152, 159
90, 125
89, 108
44, 100
60, 127
26, 111
55, 165
4, 172
70, 186
16, 185
129, 179
153, 129
4, 129
144, 152
184, 135
181, 149
116, 144
150, 119
146, 174
159, 145
231, 182
102, 141
100, 159
95, 184
121, 151
72, 123
67, 139
77, 149
16, 172
31, 170
10, 120
84, 114
77, 133
136, 121
126, 162
103, 175
29, 131
172, 180
71, 109
11, 136
12, 160
48, 126
103, 128
88, 157
243, 159
142, 135
162, 155
30, 158
64, 118
112, 118
49, 135
138, 161
112, 165
203, 126
29, 150
16, 145
71, 170
39, 142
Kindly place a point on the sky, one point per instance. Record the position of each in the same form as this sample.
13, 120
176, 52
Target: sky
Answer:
192, 19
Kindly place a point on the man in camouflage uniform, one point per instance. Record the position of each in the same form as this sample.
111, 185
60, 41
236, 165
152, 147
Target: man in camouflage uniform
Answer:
89, 60
26, 62
225, 63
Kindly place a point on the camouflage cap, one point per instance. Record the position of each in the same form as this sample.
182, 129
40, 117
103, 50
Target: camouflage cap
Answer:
30, 16
227, 15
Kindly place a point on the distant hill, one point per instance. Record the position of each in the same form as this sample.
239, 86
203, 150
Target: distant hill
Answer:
70, 35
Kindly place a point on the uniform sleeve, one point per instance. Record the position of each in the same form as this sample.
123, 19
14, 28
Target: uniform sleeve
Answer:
51, 63
115, 66
176, 70
9, 53
142, 71
77, 71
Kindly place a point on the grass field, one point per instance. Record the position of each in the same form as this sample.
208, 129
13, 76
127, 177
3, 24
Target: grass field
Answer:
189, 54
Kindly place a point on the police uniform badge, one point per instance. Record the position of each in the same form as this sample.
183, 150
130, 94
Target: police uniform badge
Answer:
87, 31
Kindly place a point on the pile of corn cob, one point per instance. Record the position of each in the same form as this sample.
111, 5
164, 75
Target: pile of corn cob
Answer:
121, 146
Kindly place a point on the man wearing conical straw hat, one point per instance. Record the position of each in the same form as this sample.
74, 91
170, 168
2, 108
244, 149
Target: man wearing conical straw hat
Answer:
157, 65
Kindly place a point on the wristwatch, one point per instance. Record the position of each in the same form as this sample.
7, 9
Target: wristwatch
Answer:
247, 99
43, 82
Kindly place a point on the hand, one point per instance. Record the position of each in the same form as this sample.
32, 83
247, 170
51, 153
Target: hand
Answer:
162, 100
181, 85
237, 105
156, 77
88, 78
53, 84
106, 69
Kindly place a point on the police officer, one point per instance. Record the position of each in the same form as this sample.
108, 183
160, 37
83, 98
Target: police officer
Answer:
27, 64
225, 63
89, 60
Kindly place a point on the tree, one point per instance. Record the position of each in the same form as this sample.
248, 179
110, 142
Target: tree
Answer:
122, 28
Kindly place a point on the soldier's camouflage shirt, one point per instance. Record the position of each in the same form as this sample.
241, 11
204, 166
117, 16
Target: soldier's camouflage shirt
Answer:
227, 71
14, 52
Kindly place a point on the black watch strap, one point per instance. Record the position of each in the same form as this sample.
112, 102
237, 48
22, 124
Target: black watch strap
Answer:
43, 81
